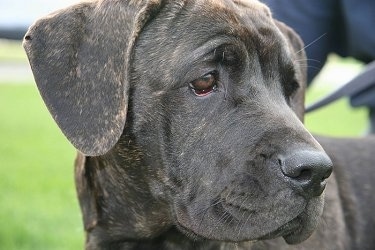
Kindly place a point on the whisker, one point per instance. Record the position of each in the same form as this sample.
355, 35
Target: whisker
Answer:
309, 67
243, 224
224, 217
205, 212
203, 217
208, 207
230, 221
243, 213
225, 91
307, 60
308, 45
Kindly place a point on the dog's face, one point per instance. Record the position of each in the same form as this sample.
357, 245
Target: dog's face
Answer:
219, 94
215, 93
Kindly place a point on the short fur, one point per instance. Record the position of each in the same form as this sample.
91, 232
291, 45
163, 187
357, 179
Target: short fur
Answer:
162, 168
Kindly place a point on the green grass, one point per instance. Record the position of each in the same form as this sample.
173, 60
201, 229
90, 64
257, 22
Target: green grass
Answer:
11, 51
337, 119
38, 204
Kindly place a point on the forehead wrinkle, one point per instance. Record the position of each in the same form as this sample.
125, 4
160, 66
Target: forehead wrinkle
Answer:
211, 45
247, 20
242, 18
246, 23
254, 5
220, 22
238, 6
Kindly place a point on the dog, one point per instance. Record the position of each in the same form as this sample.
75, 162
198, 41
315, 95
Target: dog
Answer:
188, 120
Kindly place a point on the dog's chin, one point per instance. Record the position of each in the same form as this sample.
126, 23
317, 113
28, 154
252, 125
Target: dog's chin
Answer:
309, 220
294, 228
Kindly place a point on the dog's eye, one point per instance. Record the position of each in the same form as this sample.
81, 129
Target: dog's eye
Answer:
204, 85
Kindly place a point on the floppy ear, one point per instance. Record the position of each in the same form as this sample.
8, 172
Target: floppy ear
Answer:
80, 60
296, 47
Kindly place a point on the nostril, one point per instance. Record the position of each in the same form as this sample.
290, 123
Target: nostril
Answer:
280, 162
304, 176
328, 171
306, 169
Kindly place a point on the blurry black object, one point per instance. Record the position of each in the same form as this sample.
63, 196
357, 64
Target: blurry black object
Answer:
16, 33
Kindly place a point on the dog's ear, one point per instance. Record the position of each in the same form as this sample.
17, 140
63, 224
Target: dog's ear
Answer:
296, 47
80, 60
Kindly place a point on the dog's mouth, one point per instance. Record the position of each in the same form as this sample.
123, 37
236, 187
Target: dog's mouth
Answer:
290, 229
226, 222
243, 214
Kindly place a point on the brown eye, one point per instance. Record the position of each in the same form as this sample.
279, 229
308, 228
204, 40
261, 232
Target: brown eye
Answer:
204, 85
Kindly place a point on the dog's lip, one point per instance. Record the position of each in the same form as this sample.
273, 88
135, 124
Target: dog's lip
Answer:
300, 233
184, 219
289, 228
294, 231
189, 232
237, 211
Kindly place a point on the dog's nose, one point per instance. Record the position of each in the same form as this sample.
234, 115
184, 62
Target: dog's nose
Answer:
307, 171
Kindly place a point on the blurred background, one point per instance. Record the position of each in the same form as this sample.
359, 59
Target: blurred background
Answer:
38, 205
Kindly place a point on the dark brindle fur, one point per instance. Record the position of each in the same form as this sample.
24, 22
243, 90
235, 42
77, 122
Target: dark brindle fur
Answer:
188, 116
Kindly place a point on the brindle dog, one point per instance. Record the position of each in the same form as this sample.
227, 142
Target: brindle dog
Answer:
187, 115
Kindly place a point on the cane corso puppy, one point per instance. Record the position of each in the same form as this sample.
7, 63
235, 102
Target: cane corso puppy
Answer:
187, 115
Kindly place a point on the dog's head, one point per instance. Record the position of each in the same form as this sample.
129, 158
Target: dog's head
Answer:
215, 91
